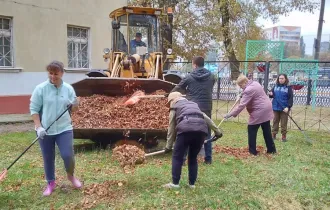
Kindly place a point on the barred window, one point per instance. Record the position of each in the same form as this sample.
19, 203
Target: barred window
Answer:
6, 45
78, 47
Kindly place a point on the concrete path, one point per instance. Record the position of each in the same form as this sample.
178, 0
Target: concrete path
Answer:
15, 118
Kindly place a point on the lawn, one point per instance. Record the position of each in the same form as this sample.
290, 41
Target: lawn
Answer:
297, 177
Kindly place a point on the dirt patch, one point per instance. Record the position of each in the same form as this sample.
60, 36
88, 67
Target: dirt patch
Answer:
239, 153
16, 127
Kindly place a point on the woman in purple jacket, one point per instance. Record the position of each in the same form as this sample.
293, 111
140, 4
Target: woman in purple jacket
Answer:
260, 109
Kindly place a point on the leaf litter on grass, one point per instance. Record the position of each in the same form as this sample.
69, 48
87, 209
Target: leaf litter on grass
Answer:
110, 191
238, 152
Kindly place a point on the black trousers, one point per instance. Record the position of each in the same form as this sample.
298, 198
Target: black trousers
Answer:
266, 129
193, 141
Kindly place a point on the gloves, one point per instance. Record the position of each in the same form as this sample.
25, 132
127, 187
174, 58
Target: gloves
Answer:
167, 150
286, 110
240, 95
226, 116
41, 132
216, 137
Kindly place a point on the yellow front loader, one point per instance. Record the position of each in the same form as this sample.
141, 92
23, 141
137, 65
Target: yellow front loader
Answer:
140, 50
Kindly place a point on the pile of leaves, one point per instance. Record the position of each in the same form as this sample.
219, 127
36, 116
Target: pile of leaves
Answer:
106, 192
128, 156
240, 153
99, 111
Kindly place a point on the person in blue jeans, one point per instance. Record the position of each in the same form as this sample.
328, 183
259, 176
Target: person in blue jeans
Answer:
189, 126
49, 99
198, 87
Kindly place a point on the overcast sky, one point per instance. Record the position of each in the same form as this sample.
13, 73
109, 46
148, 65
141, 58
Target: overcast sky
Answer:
308, 23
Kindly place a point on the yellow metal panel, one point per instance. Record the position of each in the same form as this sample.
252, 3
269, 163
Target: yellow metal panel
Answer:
126, 73
136, 10
147, 66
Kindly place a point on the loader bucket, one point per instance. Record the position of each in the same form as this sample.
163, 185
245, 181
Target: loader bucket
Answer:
92, 133
111, 136
119, 86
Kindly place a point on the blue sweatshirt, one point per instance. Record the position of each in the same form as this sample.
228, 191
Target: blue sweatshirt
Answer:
283, 97
49, 102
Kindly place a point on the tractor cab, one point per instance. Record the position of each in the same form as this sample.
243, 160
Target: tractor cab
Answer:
134, 31
140, 46
136, 50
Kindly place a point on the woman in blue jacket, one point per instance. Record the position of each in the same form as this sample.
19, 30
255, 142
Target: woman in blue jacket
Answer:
49, 99
282, 95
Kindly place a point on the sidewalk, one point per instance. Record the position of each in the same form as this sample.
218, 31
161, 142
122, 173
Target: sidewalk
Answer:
15, 118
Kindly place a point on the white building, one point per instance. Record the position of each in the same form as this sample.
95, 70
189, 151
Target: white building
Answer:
35, 32
289, 34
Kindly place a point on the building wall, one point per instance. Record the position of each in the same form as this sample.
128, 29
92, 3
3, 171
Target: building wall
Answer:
272, 33
290, 34
284, 33
39, 35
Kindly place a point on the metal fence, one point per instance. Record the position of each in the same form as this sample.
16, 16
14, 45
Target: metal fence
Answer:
310, 80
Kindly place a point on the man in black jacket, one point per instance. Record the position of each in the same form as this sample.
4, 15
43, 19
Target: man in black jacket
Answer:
198, 87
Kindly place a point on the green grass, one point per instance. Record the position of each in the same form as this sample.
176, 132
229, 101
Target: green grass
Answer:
298, 177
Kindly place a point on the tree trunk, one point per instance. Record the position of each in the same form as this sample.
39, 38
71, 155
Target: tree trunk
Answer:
225, 23
167, 29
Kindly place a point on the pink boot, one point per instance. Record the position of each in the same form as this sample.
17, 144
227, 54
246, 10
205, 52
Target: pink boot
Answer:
75, 182
49, 189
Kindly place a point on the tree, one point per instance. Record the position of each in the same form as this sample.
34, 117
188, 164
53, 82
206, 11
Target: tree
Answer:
230, 22
261, 8
153, 3
302, 47
292, 50
324, 57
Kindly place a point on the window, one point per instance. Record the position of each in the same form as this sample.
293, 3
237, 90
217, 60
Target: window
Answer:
6, 45
291, 37
78, 47
147, 26
290, 32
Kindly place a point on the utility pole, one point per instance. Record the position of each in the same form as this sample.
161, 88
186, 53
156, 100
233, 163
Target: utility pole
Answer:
317, 50
319, 31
